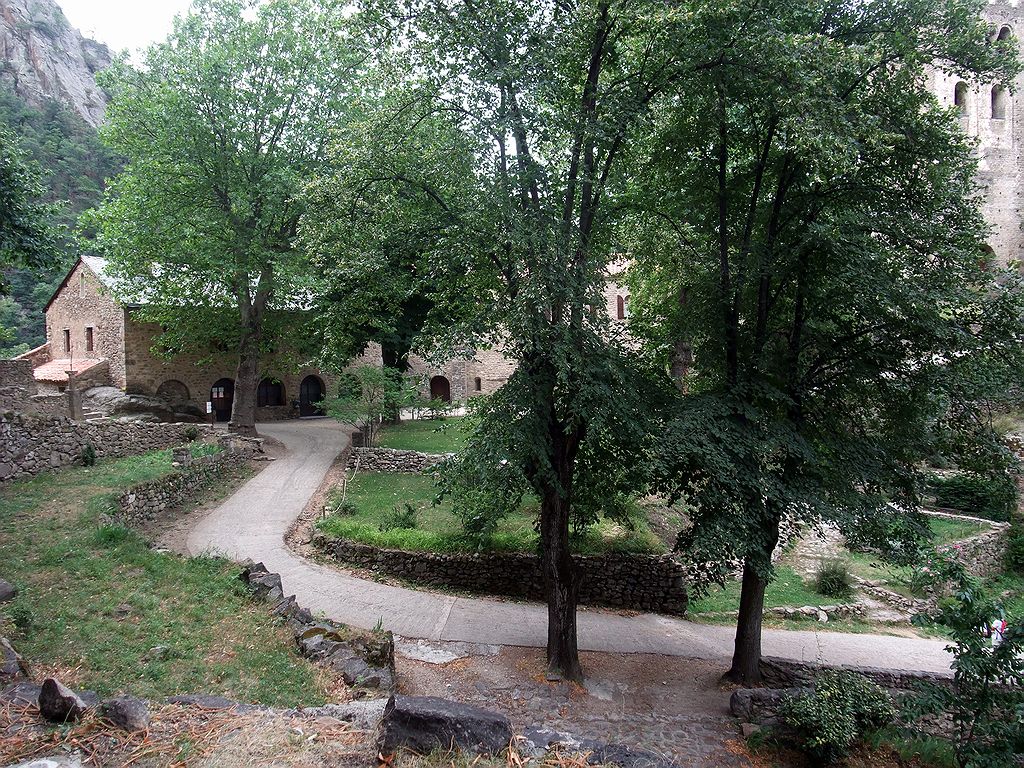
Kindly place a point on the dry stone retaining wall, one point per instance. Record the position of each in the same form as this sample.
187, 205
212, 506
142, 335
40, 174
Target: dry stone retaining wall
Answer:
31, 444
147, 501
390, 460
638, 582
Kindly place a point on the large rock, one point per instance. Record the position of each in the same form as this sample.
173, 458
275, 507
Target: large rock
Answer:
20, 695
7, 591
12, 666
113, 403
58, 703
126, 712
71, 761
425, 724
759, 705
538, 741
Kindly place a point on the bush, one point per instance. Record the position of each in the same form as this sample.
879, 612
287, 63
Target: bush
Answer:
19, 614
991, 498
834, 579
344, 508
88, 456
1015, 546
191, 433
831, 717
404, 518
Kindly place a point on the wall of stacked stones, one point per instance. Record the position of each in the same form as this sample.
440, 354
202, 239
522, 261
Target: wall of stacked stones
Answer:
638, 582
391, 460
147, 501
984, 554
30, 444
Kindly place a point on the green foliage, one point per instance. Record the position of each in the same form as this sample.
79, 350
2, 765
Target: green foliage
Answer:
27, 239
834, 579
19, 613
367, 396
88, 456
190, 433
1015, 545
900, 537
399, 518
994, 498
72, 164
221, 126
787, 589
205, 449
986, 700
841, 708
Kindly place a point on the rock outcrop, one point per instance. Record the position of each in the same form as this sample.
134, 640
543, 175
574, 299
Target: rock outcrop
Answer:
43, 58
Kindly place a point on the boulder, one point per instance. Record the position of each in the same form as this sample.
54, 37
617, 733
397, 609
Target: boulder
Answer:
21, 695
267, 586
111, 402
68, 761
7, 591
12, 666
424, 724
58, 703
357, 673
126, 712
759, 705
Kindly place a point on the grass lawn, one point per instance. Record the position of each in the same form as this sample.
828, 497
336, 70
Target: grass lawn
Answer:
946, 531
788, 589
94, 600
375, 496
425, 436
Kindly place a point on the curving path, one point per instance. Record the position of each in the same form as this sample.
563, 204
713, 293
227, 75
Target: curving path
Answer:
252, 524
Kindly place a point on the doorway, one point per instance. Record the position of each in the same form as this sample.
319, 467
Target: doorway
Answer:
311, 394
440, 389
222, 395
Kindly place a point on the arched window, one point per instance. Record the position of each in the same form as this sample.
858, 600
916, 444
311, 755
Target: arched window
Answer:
998, 102
270, 393
960, 96
620, 307
174, 392
1005, 33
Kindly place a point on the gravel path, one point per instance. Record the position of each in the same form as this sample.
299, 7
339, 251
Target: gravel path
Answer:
253, 522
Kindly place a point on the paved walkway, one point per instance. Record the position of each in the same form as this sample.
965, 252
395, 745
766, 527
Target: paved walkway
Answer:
252, 524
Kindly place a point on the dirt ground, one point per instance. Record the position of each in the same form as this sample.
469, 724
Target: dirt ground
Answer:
673, 707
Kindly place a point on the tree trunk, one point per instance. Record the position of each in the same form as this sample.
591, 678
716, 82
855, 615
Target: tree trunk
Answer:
243, 409
746, 660
561, 588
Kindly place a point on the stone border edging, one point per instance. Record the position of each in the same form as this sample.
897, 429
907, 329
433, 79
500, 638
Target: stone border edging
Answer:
654, 583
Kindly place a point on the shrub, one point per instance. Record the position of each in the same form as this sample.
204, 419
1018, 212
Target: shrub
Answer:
1015, 546
191, 433
831, 717
898, 537
19, 614
834, 580
205, 449
344, 508
88, 456
404, 518
991, 498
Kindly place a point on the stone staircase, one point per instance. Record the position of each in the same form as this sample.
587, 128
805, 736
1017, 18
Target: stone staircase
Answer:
90, 415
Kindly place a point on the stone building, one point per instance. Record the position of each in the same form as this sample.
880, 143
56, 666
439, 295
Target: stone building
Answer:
992, 115
104, 342
484, 371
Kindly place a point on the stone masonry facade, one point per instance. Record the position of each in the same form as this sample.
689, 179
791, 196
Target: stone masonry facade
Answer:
993, 116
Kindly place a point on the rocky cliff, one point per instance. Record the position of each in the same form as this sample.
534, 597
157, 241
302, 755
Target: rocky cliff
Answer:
43, 57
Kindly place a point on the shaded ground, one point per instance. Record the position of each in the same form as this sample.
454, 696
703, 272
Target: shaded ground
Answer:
671, 706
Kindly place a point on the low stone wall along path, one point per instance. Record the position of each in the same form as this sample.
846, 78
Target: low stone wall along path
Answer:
253, 523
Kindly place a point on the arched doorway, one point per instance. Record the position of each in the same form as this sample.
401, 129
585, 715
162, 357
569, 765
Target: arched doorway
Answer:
222, 395
270, 393
311, 393
440, 389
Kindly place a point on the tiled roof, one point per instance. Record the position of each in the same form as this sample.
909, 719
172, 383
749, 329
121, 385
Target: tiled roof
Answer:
56, 371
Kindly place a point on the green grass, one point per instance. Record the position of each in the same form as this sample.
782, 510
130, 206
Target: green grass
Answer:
425, 436
788, 589
946, 531
374, 495
94, 600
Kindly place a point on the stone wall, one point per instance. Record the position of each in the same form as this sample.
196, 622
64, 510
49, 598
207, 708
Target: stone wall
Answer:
32, 444
390, 460
637, 582
147, 501
984, 554
38, 356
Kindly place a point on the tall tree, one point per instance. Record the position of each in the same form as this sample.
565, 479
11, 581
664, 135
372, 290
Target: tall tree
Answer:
809, 227
500, 134
221, 126
27, 235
